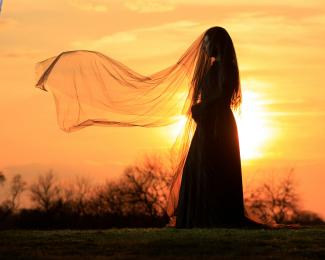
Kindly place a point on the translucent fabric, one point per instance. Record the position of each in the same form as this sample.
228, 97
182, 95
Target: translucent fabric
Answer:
90, 88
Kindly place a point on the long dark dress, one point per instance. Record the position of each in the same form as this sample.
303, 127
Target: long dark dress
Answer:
211, 192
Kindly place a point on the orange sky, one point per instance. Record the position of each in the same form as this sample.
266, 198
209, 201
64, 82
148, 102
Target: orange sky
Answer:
280, 48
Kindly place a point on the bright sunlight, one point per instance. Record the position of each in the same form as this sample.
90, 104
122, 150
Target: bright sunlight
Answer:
252, 127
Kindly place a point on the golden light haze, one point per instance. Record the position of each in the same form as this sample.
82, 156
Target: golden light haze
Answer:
280, 49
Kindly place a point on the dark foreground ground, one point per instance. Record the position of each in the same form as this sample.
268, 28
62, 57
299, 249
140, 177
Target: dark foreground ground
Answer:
164, 243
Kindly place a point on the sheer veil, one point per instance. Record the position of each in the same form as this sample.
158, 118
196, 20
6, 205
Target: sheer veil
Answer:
90, 88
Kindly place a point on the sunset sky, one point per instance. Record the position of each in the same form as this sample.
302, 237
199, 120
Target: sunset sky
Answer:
280, 49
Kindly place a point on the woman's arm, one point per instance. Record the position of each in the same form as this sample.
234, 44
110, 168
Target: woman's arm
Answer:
199, 108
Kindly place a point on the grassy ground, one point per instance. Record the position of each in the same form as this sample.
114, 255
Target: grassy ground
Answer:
164, 243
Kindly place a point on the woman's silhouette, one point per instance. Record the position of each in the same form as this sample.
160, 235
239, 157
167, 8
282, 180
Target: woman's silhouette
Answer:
90, 88
211, 191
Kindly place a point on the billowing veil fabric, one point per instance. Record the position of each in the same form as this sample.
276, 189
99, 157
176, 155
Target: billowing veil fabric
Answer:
90, 88
93, 89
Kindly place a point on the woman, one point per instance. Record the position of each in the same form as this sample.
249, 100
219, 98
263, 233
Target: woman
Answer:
211, 191
90, 88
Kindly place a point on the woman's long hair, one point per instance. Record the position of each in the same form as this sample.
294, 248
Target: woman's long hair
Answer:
90, 88
227, 75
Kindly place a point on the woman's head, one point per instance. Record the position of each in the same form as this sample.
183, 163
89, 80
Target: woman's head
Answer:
216, 43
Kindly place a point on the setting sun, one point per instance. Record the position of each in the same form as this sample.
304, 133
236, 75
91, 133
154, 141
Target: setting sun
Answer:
176, 128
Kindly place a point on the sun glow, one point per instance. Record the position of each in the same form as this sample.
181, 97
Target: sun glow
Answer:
253, 130
176, 128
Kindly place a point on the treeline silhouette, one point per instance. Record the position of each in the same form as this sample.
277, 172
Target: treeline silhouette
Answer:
137, 199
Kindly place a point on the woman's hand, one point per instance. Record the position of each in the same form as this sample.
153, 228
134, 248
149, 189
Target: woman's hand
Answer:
196, 111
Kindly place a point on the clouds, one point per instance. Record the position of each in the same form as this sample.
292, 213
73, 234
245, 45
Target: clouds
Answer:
115, 38
90, 5
160, 6
168, 6
139, 6
152, 41
149, 6
295, 107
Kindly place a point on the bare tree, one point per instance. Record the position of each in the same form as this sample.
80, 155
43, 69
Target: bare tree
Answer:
145, 186
108, 199
274, 201
17, 187
77, 195
142, 189
45, 193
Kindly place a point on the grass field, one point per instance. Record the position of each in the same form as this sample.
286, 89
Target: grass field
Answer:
164, 243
